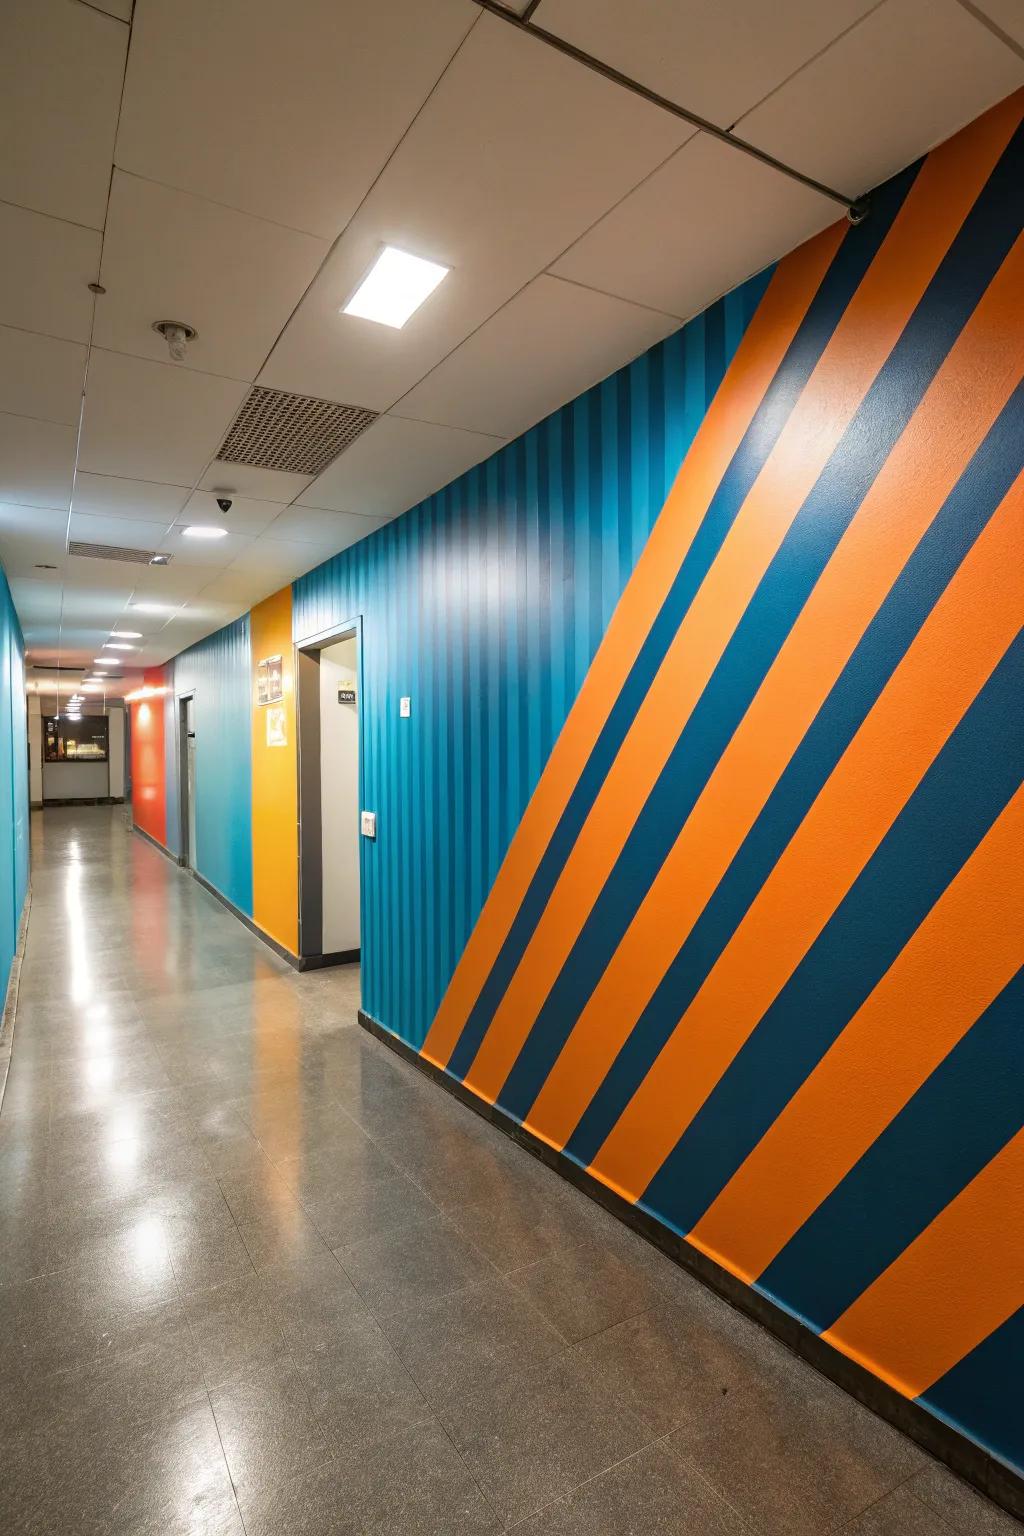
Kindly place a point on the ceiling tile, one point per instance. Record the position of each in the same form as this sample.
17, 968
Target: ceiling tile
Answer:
126, 532
170, 583
395, 464
284, 557
232, 586
36, 601
518, 150
716, 60
328, 530
46, 266
153, 421
922, 69
549, 344
41, 376
257, 484
283, 111
37, 462
170, 256
61, 68
109, 496
31, 536
246, 515
1008, 15
701, 224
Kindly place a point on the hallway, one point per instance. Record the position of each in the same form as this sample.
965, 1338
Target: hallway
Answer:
260, 1275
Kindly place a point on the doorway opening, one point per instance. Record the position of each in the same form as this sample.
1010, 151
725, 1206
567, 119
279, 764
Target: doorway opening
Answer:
329, 695
187, 780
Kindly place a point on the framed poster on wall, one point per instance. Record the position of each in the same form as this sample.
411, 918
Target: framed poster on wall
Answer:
269, 680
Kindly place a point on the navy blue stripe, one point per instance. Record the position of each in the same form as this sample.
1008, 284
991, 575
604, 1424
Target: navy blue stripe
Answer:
826, 309
964, 1114
895, 395
979, 491
981, 1394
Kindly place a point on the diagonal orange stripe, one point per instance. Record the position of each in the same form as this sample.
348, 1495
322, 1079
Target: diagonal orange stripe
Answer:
969, 947
938, 202
961, 642
955, 1284
757, 360
965, 397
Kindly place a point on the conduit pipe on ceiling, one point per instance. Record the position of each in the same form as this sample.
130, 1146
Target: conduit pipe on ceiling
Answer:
856, 207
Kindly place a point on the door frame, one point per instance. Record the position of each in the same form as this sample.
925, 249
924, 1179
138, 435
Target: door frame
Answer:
181, 703
307, 729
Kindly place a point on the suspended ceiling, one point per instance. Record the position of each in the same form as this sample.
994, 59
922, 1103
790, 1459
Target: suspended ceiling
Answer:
237, 166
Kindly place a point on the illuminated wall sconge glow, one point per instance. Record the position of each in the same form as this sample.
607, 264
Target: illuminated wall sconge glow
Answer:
395, 287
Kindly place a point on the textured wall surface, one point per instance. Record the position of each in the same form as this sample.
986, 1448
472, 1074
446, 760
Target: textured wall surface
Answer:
275, 837
13, 782
753, 957
149, 753
485, 604
217, 671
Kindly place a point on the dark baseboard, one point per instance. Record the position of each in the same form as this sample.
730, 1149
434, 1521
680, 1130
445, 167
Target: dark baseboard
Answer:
336, 957
48, 804
990, 1476
297, 962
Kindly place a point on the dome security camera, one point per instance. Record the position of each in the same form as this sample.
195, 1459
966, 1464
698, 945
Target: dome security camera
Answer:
224, 502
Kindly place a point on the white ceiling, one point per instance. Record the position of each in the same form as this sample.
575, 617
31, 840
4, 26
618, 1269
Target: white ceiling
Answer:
237, 166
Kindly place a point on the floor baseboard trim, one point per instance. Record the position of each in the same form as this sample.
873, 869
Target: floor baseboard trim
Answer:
970, 1461
10, 1008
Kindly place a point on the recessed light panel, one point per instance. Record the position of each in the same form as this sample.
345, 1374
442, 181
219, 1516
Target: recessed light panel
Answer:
395, 287
204, 531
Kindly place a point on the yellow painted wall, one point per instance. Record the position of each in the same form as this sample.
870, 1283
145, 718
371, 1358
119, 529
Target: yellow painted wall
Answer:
275, 836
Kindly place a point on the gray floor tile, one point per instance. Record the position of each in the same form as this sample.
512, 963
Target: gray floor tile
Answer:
650, 1360
267, 1426
359, 1389
964, 1511
412, 1264
476, 1338
649, 1494
539, 1435
586, 1289
235, 1329
897, 1514
790, 1451
414, 1484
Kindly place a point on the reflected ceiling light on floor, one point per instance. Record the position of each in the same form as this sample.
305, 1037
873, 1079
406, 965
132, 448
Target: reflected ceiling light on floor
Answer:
204, 531
395, 287
105, 661
92, 687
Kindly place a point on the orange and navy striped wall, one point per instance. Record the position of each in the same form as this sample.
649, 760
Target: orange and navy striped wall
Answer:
753, 956
702, 852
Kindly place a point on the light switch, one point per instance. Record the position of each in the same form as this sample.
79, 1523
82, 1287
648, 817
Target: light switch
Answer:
368, 823
405, 708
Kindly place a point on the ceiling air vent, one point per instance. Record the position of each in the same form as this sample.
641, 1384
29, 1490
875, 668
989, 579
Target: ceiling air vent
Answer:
117, 552
296, 433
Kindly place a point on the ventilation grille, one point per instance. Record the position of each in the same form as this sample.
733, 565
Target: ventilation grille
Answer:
117, 552
296, 433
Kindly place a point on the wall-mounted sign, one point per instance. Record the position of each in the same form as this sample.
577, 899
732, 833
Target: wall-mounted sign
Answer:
346, 695
277, 726
269, 680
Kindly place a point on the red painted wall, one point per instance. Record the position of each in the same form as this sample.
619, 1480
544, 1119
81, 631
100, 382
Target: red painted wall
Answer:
149, 786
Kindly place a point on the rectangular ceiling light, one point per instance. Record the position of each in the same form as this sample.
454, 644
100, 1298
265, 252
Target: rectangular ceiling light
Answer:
395, 287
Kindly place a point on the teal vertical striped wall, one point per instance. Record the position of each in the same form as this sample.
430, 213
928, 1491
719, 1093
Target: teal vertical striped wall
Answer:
485, 603
13, 781
218, 671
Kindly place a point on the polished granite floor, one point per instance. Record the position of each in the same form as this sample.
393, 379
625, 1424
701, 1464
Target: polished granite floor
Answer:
258, 1275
